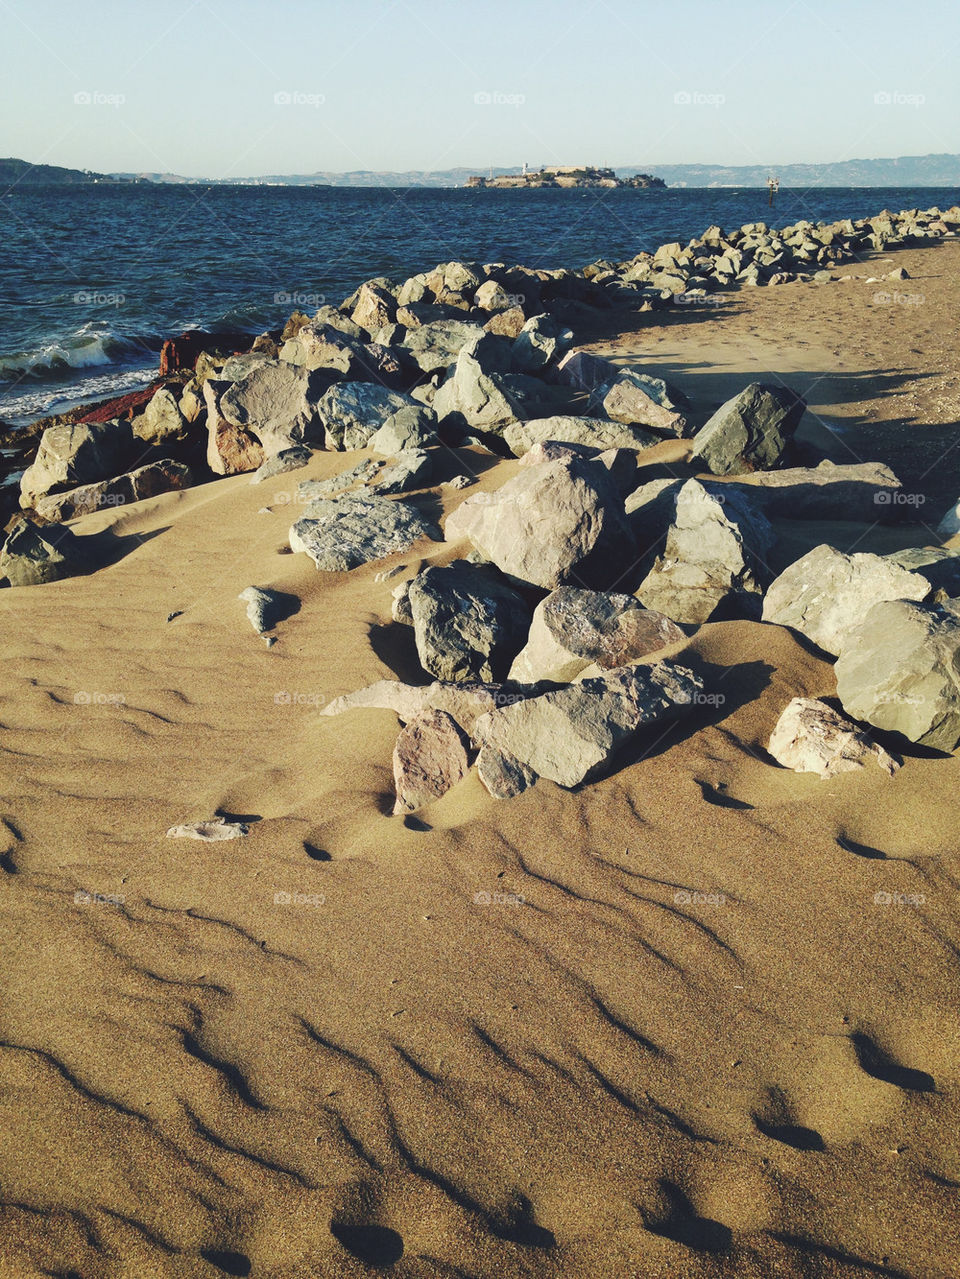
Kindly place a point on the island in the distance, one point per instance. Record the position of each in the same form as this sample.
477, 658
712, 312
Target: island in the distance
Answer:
557, 175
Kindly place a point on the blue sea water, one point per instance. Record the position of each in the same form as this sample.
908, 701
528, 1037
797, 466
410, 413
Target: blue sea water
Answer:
94, 278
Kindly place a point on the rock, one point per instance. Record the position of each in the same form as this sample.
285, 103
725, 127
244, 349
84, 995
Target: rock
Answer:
713, 560
940, 567
32, 555
161, 423
468, 623
334, 485
239, 366
231, 449
182, 352
353, 412
264, 608
210, 832
864, 491
341, 533
492, 296
375, 308
273, 404
750, 432
569, 734
410, 469
410, 427
900, 671
430, 756
620, 464
949, 526
826, 594
573, 629
811, 737
162, 476
638, 400
549, 523
508, 324
320, 346
485, 401
191, 401
503, 775
436, 346
541, 340
463, 702
590, 431
80, 453
291, 459
585, 372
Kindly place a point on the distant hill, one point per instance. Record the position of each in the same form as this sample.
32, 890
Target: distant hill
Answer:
902, 171
22, 173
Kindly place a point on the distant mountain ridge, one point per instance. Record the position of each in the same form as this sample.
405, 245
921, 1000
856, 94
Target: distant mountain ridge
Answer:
902, 171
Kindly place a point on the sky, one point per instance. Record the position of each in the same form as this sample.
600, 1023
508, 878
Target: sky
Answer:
239, 88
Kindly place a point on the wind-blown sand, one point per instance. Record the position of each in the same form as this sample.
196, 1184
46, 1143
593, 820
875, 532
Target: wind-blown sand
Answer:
699, 1045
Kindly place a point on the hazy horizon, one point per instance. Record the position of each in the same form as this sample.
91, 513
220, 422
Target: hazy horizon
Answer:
209, 91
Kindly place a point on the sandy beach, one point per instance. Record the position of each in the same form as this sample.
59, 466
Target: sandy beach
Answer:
695, 1019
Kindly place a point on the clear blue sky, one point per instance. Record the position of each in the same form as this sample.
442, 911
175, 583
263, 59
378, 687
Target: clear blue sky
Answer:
222, 88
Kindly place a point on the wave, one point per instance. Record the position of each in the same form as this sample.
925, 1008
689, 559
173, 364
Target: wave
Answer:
81, 350
31, 399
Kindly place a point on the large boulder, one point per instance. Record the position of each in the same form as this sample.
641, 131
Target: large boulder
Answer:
467, 621
585, 371
573, 629
410, 427
352, 413
342, 533
811, 737
589, 431
636, 399
713, 560
231, 449
430, 756
273, 403
861, 491
900, 671
485, 401
32, 555
161, 423
375, 308
436, 346
750, 432
80, 453
320, 346
541, 340
570, 734
549, 524
825, 594
158, 477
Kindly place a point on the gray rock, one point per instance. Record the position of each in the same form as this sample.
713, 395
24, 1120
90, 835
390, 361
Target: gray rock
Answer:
162, 476
76, 454
465, 703
238, 366
264, 608
549, 524
161, 423
273, 404
502, 774
811, 737
411, 427
750, 432
332, 317
435, 346
32, 555
334, 485
590, 431
291, 459
900, 671
638, 400
826, 594
342, 533
569, 734
353, 412
485, 401
541, 340
585, 371
573, 629
949, 526
939, 566
714, 557
319, 346
468, 623
410, 469
430, 756
864, 491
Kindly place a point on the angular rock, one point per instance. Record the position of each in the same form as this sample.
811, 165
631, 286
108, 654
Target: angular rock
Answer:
900, 671
436, 346
864, 491
468, 624
353, 412
273, 404
569, 734
264, 608
825, 594
231, 449
750, 432
811, 737
291, 459
430, 756
508, 324
320, 346
713, 559
573, 629
161, 423
463, 702
549, 524
485, 401
638, 400
503, 775
541, 340
411, 427
492, 296
79, 453
375, 308
162, 476
590, 431
585, 372
410, 469
32, 555
342, 533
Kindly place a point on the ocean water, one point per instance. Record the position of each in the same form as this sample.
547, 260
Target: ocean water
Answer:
93, 279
